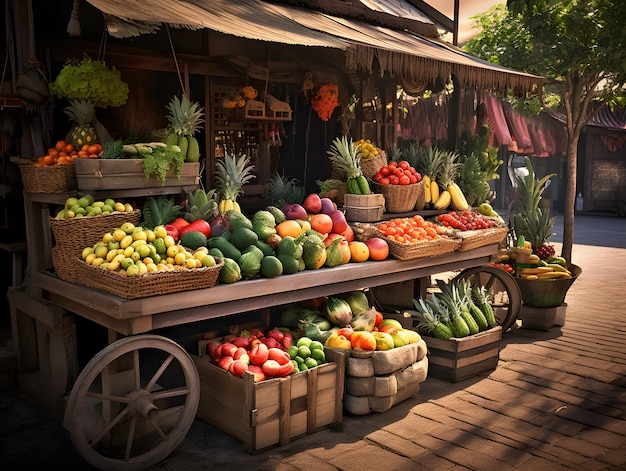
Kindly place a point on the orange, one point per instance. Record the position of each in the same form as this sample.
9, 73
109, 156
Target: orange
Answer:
359, 251
60, 145
48, 160
289, 227
321, 223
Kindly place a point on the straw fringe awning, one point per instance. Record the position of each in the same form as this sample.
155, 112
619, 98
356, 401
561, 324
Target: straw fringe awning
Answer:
408, 57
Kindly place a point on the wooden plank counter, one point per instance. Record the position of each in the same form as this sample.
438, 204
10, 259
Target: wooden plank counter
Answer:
128, 317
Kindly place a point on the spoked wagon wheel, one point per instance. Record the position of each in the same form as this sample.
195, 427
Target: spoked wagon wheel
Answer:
504, 290
133, 403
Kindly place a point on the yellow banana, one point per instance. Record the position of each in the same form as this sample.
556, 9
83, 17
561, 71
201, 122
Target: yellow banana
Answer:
457, 198
443, 201
427, 195
225, 205
552, 275
434, 191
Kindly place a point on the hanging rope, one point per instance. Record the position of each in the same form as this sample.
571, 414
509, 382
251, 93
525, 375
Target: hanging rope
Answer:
103, 45
180, 78
73, 26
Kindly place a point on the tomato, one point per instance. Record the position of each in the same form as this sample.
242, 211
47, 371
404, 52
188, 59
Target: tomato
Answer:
403, 164
385, 171
384, 181
393, 180
404, 180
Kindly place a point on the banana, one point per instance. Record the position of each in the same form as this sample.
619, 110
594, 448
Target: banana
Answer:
443, 201
434, 191
457, 198
427, 194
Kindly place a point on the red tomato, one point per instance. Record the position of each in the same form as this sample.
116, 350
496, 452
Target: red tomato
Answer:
404, 180
403, 164
385, 171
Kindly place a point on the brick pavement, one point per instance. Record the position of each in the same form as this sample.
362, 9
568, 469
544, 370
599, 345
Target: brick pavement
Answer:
556, 401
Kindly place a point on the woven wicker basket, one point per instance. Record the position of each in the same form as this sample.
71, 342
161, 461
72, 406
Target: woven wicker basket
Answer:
146, 284
373, 165
426, 248
481, 237
65, 264
47, 179
73, 235
399, 198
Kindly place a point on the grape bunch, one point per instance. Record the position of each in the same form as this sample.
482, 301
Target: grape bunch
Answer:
545, 251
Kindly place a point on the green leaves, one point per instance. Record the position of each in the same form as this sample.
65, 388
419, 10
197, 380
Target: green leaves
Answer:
90, 80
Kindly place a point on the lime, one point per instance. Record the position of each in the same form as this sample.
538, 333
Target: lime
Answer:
109, 202
209, 261
89, 198
128, 227
310, 362
299, 360
304, 341
107, 209
293, 352
302, 367
97, 204
83, 202
71, 202
127, 262
316, 345
304, 351
318, 355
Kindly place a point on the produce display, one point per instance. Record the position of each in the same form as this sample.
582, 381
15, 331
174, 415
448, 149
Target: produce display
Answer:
465, 220
456, 310
347, 322
523, 263
133, 250
87, 206
66, 153
413, 229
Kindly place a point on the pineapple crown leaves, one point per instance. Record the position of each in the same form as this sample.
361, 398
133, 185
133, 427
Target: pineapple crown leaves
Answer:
159, 211
281, 190
201, 205
232, 172
185, 116
81, 111
344, 156
329, 184
531, 221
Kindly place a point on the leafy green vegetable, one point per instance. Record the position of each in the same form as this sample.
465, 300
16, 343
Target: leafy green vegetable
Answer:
159, 211
113, 150
159, 161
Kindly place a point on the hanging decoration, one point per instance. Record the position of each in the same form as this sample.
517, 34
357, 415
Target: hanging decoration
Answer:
326, 100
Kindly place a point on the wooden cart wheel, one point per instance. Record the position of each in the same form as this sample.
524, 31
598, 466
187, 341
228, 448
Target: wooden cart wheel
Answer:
133, 403
505, 292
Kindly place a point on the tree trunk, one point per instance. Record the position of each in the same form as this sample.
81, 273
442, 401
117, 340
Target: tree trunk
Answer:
570, 196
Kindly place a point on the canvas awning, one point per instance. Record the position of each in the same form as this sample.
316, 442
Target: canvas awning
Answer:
405, 55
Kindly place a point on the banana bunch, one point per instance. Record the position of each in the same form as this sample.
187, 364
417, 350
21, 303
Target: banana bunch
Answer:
201, 205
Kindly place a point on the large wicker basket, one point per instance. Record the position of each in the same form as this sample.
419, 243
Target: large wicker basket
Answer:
481, 237
73, 235
47, 179
146, 284
399, 198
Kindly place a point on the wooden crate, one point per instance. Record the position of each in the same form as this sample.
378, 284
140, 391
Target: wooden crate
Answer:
275, 411
124, 174
542, 318
458, 359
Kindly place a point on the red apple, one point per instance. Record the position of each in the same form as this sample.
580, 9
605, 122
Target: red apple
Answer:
328, 206
228, 349
241, 342
379, 249
238, 367
281, 356
257, 371
295, 211
214, 349
271, 368
339, 221
225, 362
312, 203
259, 354
242, 354
286, 369
348, 234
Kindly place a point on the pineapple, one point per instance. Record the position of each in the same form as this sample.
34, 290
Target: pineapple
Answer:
185, 117
529, 220
344, 157
281, 190
429, 165
82, 114
449, 170
231, 174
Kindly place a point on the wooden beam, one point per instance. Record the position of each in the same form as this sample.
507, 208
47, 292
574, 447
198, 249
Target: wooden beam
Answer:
434, 14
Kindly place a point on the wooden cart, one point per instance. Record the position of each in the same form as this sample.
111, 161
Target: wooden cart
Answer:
135, 400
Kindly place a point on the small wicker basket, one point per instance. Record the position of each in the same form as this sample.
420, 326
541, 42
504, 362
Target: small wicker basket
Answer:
73, 235
399, 198
373, 165
47, 179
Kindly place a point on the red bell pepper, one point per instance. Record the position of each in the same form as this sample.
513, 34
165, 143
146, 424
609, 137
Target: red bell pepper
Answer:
199, 225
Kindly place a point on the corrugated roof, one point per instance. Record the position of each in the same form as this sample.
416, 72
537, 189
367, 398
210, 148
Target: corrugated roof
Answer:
404, 55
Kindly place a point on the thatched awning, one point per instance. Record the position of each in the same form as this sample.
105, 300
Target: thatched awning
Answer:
410, 57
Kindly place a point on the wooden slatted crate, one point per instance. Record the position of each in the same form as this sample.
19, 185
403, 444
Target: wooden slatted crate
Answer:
274, 411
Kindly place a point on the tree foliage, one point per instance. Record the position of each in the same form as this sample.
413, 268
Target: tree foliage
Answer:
578, 46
